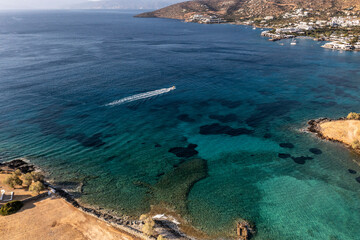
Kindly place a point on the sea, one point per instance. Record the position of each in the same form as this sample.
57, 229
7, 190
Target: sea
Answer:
206, 120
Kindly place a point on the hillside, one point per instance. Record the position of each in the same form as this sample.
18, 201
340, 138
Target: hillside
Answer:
242, 9
123, 4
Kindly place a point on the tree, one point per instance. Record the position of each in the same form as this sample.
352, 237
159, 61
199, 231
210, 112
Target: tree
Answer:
10, 208
17, 172
28, 179
353, 116
37, 177
36, 187
13, 180
9, 181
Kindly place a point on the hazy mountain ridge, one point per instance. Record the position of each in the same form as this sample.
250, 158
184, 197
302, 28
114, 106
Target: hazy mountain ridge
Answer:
238, 9
125, 4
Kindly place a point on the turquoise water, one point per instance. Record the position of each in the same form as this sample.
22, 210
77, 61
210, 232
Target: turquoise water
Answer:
238, 97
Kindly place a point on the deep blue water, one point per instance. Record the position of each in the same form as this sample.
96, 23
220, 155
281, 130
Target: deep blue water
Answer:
238, 97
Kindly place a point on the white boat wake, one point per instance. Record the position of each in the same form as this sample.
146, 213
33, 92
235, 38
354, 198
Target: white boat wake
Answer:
141, 96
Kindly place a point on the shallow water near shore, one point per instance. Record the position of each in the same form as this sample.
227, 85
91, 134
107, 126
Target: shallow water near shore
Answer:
239, 102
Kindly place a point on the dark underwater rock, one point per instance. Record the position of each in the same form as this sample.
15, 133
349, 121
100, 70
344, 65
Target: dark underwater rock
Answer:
267, 135
157, 145
93, 141
284, 155
315, 151
357, 179
286, 145
110, 158
351, 171
185, 118
216, 129
187, 152
174, 186
267, 111
301, 160
160, 174
224, 118
230, 104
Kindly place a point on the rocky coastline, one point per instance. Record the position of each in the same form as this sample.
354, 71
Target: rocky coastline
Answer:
314, 127
124, 223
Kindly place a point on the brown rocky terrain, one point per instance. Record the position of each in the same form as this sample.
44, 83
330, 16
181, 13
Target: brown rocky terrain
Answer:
241, 9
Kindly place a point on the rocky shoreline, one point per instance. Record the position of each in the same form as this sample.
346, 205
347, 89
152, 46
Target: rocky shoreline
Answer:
314, 127
123, 223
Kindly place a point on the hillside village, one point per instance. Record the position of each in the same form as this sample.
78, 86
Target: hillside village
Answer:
342, 31
337, 22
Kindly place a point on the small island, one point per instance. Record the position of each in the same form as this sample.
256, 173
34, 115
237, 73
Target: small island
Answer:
343, 130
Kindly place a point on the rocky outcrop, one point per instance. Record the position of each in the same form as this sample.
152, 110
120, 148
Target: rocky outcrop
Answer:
20, 164
245, 230
314, 127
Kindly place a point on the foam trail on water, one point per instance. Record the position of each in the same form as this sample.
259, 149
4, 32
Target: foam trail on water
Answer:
141, 96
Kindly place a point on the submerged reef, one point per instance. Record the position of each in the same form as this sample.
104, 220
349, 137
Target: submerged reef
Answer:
185, 152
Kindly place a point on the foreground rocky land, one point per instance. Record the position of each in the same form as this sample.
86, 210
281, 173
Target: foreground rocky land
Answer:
336, 21
344, 130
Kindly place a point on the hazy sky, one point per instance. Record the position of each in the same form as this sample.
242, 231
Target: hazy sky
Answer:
51, 4
26, 4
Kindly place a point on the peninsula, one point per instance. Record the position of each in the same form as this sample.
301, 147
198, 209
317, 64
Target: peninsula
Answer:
335, 21
344, 130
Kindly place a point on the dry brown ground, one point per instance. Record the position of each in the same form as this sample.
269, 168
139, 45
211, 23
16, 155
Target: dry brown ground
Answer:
53, 219
20, 193
346, 131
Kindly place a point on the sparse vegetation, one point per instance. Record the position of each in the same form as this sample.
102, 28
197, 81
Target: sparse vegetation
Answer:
17, 172
10, 208
28, 179
37, 176
13, 180
32, 177
36, 187
353, 116
354, 40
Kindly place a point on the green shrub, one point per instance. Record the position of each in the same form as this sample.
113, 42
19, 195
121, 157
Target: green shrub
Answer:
28, 179
36, 176
17, 172
36, 187
353, 116
13, 180
10, 208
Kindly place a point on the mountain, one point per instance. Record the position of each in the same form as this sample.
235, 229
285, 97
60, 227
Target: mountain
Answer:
124, 4
241, 9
